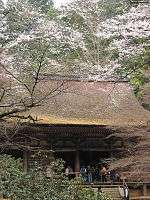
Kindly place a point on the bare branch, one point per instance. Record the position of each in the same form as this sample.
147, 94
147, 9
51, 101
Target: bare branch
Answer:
3, 94
16, 78
38, 71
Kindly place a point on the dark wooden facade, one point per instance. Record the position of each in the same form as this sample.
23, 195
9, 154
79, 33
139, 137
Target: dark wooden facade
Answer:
76, 144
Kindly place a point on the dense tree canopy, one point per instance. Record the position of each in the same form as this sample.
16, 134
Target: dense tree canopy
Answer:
44, 5
113, 33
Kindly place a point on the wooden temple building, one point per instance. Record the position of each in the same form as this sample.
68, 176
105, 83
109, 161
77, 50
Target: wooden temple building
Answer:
81, 123
77, 123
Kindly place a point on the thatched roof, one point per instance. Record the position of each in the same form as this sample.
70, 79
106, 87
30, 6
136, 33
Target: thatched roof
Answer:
81, 102
134, 164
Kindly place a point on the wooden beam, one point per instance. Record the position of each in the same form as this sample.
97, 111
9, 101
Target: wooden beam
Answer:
77, 163
64, 150
86, 149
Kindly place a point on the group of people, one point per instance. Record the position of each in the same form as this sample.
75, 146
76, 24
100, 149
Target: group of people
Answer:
97, 173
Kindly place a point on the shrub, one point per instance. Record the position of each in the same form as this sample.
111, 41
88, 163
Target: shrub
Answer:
35, 185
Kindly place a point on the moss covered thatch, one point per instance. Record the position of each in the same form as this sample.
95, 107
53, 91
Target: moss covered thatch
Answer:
106, 103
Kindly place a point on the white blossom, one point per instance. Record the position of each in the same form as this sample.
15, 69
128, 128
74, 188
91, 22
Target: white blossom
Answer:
124, 28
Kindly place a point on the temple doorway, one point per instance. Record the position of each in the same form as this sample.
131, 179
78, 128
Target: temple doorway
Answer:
67, 157
92, 157
85, 158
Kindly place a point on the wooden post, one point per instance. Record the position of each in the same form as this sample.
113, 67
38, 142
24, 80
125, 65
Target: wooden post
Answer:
77, 163
144, 189
25, 161
110, 147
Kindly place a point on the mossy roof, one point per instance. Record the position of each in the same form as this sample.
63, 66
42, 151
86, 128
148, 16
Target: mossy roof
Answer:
81, 102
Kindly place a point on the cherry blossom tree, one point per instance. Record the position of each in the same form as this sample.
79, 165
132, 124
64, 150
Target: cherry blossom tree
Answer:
24, 53
113, 32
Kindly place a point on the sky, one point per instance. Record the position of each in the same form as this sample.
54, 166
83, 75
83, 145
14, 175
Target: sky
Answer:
58, 3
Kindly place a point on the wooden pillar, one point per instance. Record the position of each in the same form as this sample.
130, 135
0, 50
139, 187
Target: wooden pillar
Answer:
110, 147
25, 161
144, 189
77, 163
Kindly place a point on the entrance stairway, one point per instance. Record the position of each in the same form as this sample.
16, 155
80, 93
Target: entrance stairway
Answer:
111, 190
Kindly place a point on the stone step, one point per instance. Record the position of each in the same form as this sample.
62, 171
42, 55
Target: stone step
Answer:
112, 192
140, 198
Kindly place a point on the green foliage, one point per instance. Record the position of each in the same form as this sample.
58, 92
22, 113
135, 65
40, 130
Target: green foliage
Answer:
35, 185
10, 175
86, 17
135, 68
95, 49
75, 20
114, 54
111, 8
139, 40
18, 19
44, 5
52, 12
